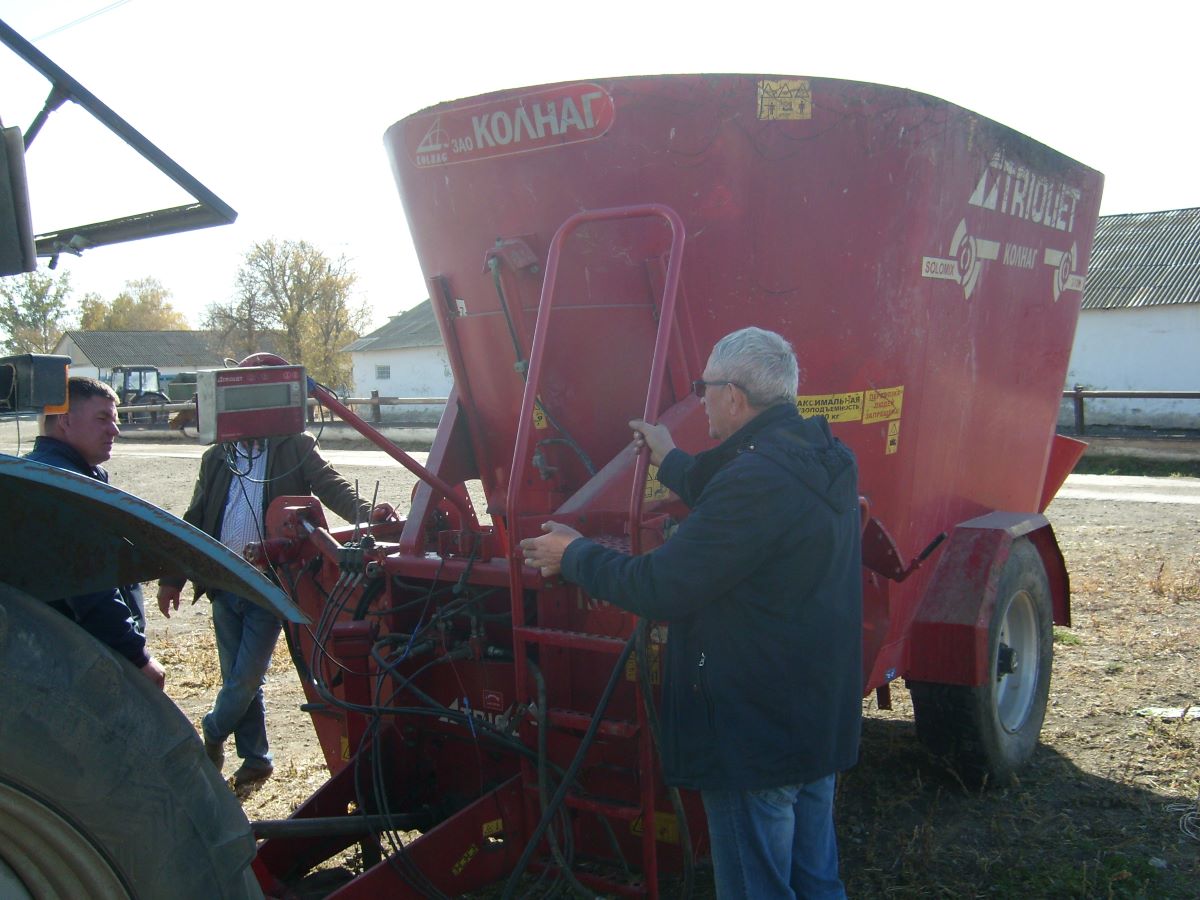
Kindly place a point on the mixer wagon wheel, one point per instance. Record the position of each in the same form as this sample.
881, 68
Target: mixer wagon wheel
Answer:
105, 791
991, 730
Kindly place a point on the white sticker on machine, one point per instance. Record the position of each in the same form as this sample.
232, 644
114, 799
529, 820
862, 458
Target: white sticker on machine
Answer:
893, 437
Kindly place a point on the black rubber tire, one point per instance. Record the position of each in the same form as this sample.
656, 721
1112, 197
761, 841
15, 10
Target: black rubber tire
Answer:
136, 416
105, 790
990, 731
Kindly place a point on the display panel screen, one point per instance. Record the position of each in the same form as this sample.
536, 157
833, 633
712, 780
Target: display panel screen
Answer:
235, 398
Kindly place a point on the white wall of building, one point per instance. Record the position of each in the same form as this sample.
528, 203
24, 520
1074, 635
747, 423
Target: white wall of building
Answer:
79, 364
411, 372
1153, 348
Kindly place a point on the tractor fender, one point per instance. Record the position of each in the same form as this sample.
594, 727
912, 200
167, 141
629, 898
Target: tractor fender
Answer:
68, 534
948, 640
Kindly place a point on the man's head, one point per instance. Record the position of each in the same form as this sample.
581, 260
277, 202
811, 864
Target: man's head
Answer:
747, 372
90, 422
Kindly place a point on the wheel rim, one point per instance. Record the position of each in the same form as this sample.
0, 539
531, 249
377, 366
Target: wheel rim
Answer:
1015, 662
42, 854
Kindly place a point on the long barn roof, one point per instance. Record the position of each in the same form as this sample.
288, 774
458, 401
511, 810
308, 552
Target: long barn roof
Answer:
1145, 259
185, 349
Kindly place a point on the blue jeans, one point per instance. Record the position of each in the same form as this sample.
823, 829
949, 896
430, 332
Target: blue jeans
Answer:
246, 635
775, 842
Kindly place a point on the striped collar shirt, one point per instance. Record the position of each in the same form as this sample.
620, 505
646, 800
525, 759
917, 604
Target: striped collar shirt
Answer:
242, 521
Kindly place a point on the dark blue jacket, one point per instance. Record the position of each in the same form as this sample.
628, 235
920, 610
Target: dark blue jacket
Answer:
762, 587
115, 616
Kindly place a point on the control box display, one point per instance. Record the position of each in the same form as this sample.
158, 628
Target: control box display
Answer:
34, 381
251, 402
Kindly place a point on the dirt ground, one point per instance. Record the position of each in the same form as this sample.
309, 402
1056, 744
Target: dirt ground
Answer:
1101, 812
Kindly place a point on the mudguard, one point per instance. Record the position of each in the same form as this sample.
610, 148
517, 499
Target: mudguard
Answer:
948, 642
69, 535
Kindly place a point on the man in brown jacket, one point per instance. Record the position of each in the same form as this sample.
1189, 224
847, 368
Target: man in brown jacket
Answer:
235, 486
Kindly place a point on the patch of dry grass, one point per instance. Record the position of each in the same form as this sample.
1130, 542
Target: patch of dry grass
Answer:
1179, 583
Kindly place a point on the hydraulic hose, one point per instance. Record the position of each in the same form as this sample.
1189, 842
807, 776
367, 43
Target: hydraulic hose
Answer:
560, 795
685, 836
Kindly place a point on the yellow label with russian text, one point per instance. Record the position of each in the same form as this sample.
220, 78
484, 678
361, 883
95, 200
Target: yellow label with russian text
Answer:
834, 407
882, 405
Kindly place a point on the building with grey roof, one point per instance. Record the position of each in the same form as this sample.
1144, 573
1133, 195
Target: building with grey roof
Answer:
96, 352
404, 358
1139, 328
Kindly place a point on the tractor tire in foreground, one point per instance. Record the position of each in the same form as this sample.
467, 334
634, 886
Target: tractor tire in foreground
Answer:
990, 731
105, 790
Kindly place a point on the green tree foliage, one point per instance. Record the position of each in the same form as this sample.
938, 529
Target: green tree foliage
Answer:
33, 311
144, 305
293, 292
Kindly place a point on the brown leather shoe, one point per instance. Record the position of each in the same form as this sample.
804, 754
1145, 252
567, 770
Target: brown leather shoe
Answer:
248, 774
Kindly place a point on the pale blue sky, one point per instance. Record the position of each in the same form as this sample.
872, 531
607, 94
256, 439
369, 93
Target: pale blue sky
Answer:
280, 107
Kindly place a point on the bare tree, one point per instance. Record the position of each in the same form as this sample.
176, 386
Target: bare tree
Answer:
33, 311
241, 326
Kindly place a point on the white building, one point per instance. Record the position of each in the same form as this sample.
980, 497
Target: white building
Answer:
1139, 328
404, 358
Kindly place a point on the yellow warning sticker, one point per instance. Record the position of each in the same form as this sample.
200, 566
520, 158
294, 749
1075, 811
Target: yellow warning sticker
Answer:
654, 489
495, 826
469, 855
539, 416
834, 407
882, 405
631, 665
345, 747
784, 99
893, 437
666, 827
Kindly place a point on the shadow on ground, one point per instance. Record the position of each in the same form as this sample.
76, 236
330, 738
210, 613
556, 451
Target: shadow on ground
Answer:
909, 827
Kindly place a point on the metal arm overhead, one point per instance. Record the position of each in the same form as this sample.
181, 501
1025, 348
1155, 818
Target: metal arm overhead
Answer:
209, 209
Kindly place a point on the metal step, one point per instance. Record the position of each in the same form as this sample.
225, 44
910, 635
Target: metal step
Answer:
576, 640
573, 720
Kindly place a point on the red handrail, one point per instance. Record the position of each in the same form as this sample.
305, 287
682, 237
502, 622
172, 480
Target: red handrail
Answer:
658, 365
654, 391
521, 450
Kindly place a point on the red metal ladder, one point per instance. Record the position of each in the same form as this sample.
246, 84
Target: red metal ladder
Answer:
604, 647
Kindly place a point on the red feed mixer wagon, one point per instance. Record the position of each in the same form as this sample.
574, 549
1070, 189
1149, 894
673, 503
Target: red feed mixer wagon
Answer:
584, 246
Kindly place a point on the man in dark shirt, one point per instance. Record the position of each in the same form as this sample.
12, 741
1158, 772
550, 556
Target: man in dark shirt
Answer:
761, 585
78, 441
